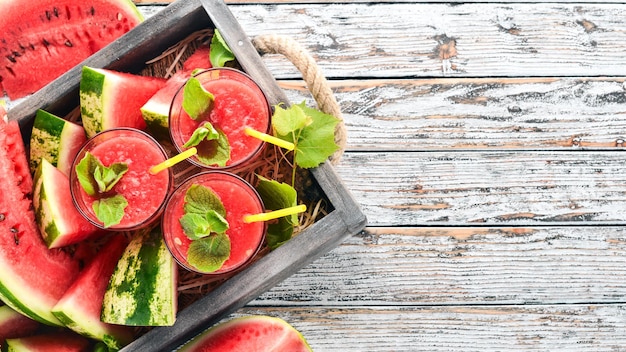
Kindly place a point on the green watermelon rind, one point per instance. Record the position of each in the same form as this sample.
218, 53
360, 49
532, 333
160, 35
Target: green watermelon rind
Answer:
142, 289
56, 140
109, 340
92, 85
25, 305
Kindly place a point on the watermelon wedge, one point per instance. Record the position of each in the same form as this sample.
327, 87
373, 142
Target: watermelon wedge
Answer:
40, 40
33, 278
14, 324
110, 99
56, 140
81, 305
250, 333
142, 290
49, 342
156, 110
59, 221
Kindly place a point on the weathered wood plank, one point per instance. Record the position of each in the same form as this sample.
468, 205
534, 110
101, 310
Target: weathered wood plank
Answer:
436, 40
480, 328
504, 188
463, 266
479, 113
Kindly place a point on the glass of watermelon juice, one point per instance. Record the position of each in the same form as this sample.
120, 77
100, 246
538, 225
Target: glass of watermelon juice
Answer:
145, 193
239, 198
238, 103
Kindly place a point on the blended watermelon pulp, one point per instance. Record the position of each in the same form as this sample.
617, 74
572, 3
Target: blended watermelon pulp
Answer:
239, 199
146, 193
239, 103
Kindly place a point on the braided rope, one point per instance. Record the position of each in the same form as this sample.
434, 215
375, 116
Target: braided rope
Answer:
313, 77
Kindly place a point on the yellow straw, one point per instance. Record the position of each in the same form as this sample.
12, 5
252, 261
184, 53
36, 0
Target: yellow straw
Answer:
173, 160
269, 139
274, 214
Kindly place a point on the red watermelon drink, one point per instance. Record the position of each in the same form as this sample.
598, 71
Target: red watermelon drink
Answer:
111, 184
236, 103
222, 246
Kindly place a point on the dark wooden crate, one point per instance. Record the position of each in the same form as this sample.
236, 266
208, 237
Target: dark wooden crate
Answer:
129, 53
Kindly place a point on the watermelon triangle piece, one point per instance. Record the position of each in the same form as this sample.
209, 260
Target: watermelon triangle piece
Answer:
156, 110
110, 99
14, 324
249, 333
81, 305
33, 278
64, 341
59, 221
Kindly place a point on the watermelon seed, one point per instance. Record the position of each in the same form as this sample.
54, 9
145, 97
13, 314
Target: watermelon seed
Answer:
11, 58
16, 54
93, 11
68, 43
56, 12
2, 217
45, 42
48, 15
15, 236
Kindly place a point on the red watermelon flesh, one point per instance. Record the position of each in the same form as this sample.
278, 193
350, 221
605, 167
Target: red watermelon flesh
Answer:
50, 342
14, 324
198, 60
81, 305
40, 40
32, 277
250, 333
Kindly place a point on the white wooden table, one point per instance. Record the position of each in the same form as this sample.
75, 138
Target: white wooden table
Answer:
486, 147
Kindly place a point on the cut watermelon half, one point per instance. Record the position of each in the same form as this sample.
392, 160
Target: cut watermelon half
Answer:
110, 99
250, 333
40, 40
33, 278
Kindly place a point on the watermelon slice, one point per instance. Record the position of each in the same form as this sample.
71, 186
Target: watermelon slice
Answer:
49, 342
56, 140
59, 221
250, 333
33, 278
143, 288
14, 324
81, 306
110, 99
156, 110
40, 40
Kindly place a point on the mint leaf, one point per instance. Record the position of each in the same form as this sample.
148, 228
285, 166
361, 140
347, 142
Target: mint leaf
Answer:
208, 254
197, 101
206, 131
313, 135
220, 53
198, 226
200, 199
95, 178
215, 151
107, 177
277, 196
110, 210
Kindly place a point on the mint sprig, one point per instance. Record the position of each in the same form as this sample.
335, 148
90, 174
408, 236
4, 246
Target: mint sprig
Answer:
98, 180
220, 53
205, 131
204, 222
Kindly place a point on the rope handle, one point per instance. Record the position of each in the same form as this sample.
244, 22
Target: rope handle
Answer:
316, 82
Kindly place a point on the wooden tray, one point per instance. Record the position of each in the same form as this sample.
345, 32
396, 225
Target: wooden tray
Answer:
129, 53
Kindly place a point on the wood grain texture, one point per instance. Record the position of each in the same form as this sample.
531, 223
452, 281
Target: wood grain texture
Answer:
479, 113
516, 188
474, 328
463, 266
437, 40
